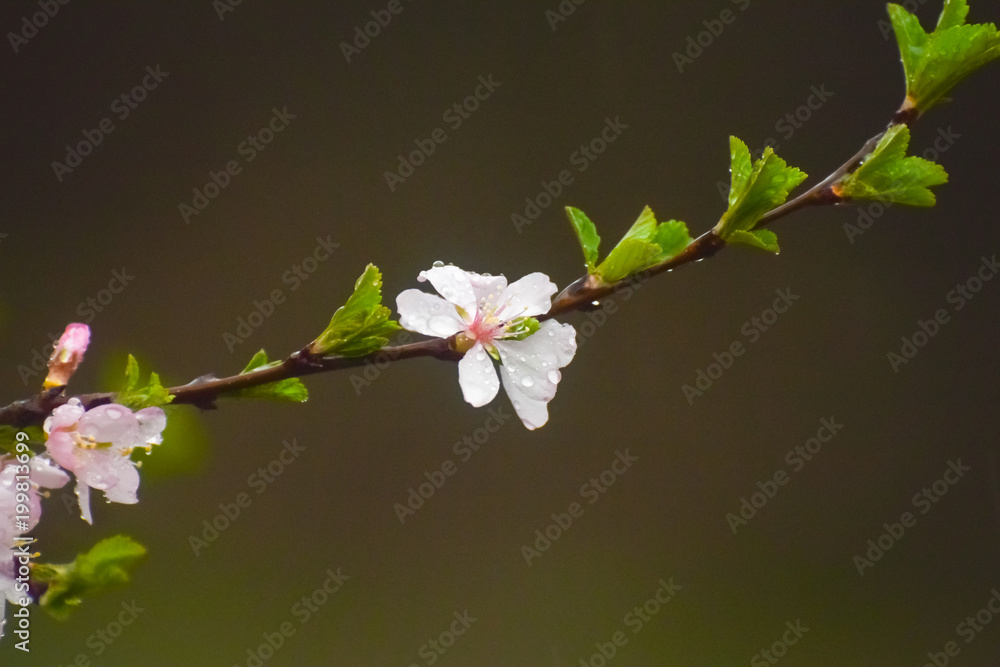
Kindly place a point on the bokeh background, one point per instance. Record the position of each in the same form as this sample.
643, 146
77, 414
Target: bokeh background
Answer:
365, 445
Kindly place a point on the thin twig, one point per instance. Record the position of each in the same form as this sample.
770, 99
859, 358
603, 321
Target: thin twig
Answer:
579, 295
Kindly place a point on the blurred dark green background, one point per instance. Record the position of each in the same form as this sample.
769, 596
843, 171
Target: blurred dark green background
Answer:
323, 176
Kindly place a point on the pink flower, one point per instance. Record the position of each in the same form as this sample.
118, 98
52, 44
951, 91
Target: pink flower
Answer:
40, 473
95, 445
67, 355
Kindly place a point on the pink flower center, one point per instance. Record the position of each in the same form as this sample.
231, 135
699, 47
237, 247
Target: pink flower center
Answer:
484, 329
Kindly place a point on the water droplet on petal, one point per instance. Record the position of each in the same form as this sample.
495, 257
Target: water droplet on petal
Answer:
554, 377
527, 381
438, 264
552, 333
480, 356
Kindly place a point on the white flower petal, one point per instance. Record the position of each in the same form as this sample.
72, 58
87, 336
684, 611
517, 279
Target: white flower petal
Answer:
477, 377
428, 314
453, 284
533, 413
530, 369
531, 295
488, 291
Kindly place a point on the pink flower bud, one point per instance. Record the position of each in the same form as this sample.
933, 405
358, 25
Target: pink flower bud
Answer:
67, 355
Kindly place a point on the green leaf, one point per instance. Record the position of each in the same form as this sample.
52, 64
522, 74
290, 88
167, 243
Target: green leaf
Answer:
586, 232
362, 325
136, 398
289, 389
629, 256
107, 564
756, 189
935, 63
764, 239
647, 243
521, 328
672, 236
888, 175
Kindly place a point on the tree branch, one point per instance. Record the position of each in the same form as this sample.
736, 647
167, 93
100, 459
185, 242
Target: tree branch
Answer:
580, 295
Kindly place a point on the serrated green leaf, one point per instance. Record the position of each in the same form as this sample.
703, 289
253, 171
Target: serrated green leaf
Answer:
672, 236
362, 325
888, 175
764, 239
289, 389
756, 189
107, 564
135, 398
954, 13
586, 233
629, 256
935, 63
645, 244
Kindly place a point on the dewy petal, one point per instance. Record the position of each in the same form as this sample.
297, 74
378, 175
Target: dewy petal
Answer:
529, 296
428, 314
530, 369
489, 291
533, 413
47, 474
453, 284
152, 421
477, 377
125, 484
110, 423
64, 416
62, 449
